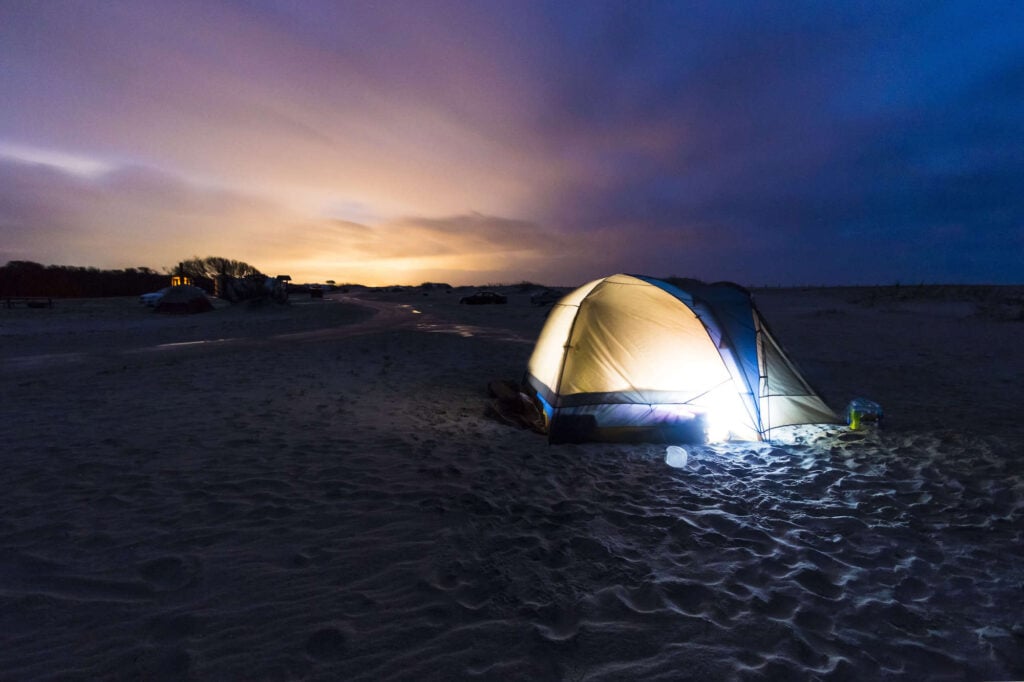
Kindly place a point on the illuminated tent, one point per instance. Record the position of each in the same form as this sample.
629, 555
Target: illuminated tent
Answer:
635, 358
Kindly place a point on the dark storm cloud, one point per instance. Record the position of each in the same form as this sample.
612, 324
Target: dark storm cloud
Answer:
860, 142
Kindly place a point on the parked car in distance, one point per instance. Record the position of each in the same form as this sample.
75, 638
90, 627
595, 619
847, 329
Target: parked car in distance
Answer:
153, 299
483, 298
546, 297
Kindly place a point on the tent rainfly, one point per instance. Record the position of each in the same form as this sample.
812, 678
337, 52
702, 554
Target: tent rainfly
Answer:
633, 358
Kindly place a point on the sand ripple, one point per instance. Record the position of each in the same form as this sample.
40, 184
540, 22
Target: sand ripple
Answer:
343, 510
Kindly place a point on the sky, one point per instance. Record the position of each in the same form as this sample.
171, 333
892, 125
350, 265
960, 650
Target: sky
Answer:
766, 143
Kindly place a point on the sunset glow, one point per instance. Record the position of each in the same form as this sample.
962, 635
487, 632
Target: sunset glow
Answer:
476, 142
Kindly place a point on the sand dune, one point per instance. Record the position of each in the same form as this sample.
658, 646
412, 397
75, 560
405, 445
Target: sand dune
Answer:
315, 492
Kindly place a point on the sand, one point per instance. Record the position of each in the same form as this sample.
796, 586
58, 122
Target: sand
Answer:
314, 492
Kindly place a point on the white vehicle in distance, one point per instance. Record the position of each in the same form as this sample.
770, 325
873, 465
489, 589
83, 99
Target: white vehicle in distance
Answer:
153, 299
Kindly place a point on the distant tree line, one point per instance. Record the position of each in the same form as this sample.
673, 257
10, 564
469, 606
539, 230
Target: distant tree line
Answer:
204, 271
26, 278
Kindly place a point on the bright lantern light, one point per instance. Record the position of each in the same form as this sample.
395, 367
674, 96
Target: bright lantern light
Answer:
726, 416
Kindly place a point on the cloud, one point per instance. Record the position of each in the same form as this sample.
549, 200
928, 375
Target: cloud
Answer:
128, 216
138, 215
468, 247
726, 140
410, 118
796, 144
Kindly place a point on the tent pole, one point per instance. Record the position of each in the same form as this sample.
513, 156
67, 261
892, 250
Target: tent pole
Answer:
566, 346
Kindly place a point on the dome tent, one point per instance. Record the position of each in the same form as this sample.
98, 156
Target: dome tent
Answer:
629, 357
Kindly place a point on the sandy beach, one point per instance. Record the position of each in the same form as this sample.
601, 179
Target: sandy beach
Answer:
315, 492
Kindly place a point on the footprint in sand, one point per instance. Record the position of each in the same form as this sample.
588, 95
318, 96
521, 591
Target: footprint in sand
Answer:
326, 643
171, 572
816, 582
162, 663
172, 627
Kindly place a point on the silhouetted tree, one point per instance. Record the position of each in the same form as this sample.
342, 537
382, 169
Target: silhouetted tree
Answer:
205, 272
